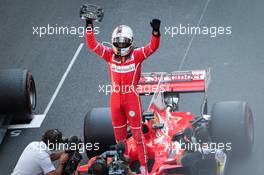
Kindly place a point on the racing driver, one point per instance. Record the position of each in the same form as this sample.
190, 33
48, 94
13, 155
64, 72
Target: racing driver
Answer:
124, 61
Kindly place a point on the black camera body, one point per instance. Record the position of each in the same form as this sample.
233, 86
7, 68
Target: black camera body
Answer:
119, 165
74, 155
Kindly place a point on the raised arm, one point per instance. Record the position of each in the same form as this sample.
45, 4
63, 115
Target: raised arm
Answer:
101, 50
153, 45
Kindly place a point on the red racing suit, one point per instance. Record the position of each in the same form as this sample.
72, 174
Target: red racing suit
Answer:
125, 101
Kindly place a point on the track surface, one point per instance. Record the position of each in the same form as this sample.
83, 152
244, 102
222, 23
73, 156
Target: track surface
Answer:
236, 60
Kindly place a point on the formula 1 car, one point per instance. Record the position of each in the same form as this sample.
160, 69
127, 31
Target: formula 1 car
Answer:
17, 98
229, 126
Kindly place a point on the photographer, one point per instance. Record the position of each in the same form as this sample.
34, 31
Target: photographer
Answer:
198, 158
111, 162
37, 157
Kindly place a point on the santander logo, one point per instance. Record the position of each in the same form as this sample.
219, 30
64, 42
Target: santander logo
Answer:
123, 69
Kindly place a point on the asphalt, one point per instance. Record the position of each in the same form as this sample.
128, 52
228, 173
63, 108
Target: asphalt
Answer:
235, 60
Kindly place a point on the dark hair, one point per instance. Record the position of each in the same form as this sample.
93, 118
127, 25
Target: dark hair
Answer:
98, 167
52, 136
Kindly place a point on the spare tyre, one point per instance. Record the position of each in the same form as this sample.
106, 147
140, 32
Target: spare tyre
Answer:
232, 122
98, 130
17, 92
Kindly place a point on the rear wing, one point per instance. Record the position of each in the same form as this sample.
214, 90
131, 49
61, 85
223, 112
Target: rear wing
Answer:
178, 81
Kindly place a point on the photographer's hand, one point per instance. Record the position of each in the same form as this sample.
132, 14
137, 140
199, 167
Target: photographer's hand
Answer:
64, 158
56, 155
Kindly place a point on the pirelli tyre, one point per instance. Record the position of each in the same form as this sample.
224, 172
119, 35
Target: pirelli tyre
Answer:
17, 92
232, 123
98, 131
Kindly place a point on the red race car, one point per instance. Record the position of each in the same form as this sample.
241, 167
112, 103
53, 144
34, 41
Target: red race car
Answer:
177, 142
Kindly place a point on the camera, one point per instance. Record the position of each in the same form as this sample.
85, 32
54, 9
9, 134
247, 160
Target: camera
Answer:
74, 156
118, 165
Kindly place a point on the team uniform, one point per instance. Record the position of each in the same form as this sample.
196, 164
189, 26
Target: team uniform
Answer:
125, 102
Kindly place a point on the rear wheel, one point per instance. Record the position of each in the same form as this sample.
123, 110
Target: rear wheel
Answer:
98, 130
17, 92
232, 122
